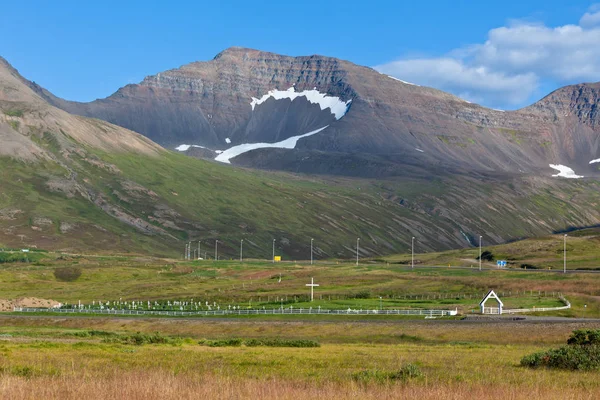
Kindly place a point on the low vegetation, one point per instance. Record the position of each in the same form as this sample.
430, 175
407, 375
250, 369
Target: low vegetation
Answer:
67, 274
65, 359
405, 373
263, 342
13, 113
140, 339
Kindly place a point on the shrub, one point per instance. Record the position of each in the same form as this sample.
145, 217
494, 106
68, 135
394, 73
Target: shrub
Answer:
15, 257
365, 294
486, 256
528, 266
13, 113
406, 372
140, 339
221, 343
582, 352
584, 337
67, 274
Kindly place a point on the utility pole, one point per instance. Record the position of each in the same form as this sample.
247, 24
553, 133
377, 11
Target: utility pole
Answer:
565, 254
413, 253
216, 250
273, 259
199, 250
185, 252
357, 241
241, 250
189, 250
480, 237
311, 251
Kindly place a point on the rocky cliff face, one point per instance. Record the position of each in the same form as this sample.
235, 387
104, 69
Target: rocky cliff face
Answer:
217, 104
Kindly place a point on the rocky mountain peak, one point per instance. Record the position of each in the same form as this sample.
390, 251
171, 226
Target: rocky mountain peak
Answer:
579, 101
245, 96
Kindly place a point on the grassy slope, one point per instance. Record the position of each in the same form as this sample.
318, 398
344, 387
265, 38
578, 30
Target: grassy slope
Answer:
583, 252
220, 202
189, 199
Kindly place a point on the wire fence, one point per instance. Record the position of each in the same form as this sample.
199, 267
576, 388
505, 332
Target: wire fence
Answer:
273, 311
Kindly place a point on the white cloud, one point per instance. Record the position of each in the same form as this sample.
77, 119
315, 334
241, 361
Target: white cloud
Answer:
592, 17
472, 83
511, 64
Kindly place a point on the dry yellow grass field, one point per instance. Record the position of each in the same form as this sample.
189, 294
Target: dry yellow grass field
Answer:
48, 358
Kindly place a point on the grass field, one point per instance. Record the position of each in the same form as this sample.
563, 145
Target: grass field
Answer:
257, 284
58, 357
54, 358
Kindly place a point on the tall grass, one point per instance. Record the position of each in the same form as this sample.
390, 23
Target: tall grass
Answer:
157, 385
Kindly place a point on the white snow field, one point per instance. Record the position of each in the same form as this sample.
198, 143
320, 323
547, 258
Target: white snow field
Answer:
288, 143
337, 106
564, 172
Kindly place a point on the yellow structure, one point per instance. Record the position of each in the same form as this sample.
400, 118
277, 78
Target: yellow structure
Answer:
277, 258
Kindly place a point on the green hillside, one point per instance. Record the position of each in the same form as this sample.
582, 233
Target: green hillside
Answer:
126, 202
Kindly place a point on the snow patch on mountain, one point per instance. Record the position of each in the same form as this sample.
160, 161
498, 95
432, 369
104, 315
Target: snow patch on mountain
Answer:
564, 172
400, 80
419, 150
227, 140
335, 104
288, 143
595, 161
186, 147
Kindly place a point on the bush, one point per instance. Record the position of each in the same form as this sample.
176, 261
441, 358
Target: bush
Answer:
582, 352
67, 274
408, 371
92, 333
584, 337
13, 257
528, 266
13, 113
365, 294
140, 339
221, 343
486, 256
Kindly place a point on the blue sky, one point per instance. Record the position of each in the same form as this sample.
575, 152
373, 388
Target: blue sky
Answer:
502, 54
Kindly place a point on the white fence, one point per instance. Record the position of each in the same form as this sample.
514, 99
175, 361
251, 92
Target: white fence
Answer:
491, 310
540, 309
274, 311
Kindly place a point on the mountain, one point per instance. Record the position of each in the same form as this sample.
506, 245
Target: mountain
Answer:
75, 183
244, 99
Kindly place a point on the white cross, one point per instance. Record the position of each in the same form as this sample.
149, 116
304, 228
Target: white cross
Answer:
312, 285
